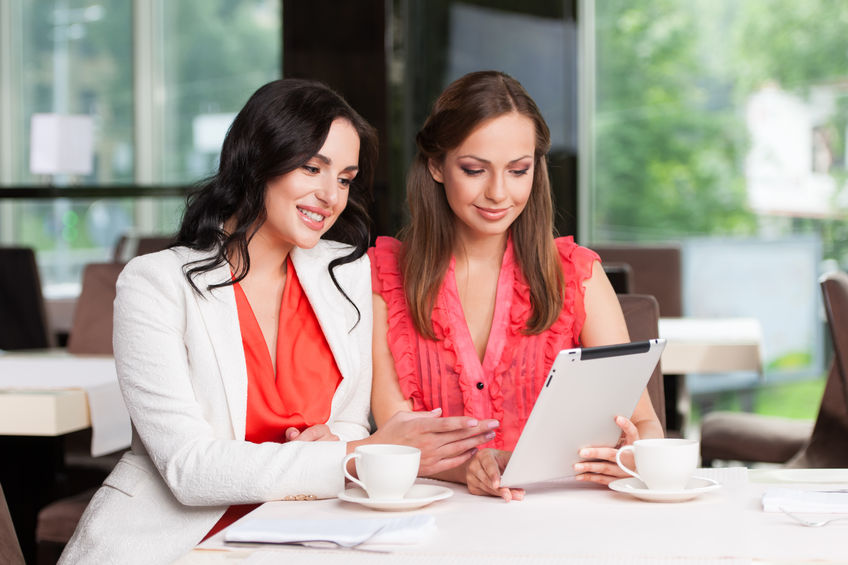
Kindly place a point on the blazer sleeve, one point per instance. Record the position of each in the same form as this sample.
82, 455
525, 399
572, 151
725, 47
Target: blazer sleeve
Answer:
350, 422
179, 411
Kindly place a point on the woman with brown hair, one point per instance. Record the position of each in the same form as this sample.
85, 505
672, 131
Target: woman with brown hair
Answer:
476, 298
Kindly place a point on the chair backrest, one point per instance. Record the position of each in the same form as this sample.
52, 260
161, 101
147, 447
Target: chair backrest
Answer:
10, 548
642, 314
656, 270
91, 331
130, 246
23, 320
828, 446
620, 276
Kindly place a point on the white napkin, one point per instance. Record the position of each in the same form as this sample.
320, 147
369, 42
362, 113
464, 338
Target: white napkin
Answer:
797, 500
407, 530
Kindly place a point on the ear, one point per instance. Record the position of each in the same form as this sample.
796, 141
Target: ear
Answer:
435, 171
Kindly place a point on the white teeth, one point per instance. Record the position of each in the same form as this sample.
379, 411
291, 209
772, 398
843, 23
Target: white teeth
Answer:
311, 215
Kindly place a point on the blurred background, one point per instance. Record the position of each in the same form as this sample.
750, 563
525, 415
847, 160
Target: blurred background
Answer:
715, 126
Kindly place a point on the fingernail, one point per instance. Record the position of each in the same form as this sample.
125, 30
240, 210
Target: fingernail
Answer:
490, 435
579, 467
436, 410
585, 453
471, 423
493, 424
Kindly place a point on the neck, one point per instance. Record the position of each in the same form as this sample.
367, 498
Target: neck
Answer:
267, 256
480, 248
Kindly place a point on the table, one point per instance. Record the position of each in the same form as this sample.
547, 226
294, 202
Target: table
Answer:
51, 393
570, 522
711, 345
43, 396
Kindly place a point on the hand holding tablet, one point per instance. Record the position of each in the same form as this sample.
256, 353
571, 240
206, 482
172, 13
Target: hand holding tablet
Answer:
585, 390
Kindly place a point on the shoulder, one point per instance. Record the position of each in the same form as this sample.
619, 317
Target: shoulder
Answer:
572, 254
325, 251
313, 267
385, 261
164, 270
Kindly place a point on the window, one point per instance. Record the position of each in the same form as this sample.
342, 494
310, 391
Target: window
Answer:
161, 82
721, 125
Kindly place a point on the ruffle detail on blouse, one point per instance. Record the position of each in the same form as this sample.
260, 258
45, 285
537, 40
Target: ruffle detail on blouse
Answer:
401, 335
444, 327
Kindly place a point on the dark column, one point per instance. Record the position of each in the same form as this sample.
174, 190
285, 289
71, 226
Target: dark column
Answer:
343, 45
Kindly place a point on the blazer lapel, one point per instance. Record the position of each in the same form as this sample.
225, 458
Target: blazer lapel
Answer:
220, 316
335, 314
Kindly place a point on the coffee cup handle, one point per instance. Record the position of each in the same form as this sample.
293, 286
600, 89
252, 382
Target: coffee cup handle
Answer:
347, 458
621, 465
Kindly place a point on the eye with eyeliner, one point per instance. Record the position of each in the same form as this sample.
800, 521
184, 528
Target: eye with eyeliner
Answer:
311, 169
471, 172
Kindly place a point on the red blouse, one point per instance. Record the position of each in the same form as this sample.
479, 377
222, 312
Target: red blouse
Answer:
300, 393
447, 372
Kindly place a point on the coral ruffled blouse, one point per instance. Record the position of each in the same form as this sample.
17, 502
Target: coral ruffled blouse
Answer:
447, 372
300, 393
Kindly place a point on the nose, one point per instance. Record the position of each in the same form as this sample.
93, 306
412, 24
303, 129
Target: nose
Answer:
328, 193
496, 189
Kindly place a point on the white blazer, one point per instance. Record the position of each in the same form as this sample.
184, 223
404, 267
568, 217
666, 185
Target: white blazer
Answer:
183, 377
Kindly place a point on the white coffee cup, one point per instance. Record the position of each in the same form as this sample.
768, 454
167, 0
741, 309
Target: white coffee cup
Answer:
662, 464
386, 472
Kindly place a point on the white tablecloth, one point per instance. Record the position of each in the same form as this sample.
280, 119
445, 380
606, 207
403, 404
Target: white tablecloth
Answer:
110, 421
570, 522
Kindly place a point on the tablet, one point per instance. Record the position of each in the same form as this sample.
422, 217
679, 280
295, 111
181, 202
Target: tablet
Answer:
584, 391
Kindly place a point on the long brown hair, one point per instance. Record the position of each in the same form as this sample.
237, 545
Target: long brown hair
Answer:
429, 237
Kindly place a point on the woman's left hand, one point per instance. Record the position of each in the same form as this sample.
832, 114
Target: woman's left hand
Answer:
601, 467
319, 432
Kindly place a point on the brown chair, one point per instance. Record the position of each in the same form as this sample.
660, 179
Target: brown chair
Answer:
620, 276
641, 313
91, 331
129, 246
794, 443
10, 548
21, 302
655, 269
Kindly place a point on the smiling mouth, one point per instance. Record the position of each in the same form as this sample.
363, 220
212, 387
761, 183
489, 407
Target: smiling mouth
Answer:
314, 216
492, 213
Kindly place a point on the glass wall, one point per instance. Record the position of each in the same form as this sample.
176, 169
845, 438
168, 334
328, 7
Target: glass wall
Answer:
160, 83
721, 126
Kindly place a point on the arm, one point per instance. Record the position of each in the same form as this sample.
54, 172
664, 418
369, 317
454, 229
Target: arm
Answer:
174, 382
445, 443
605, 325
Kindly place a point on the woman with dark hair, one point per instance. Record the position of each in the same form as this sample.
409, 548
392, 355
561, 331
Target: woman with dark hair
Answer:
477, 297
244, 351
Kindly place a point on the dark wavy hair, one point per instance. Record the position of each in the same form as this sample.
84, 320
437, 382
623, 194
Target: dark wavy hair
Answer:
281, 127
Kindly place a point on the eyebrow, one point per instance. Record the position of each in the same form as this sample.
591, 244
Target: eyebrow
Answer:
327, 161
489, 162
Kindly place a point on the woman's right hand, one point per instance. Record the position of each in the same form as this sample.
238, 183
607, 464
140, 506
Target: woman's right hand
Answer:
445, 443
483, 475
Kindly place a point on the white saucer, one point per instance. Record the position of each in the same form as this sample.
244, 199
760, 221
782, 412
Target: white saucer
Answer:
695, 487
418, 496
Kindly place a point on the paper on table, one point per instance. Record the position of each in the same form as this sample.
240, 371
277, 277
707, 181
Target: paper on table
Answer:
406, 530
797, 500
